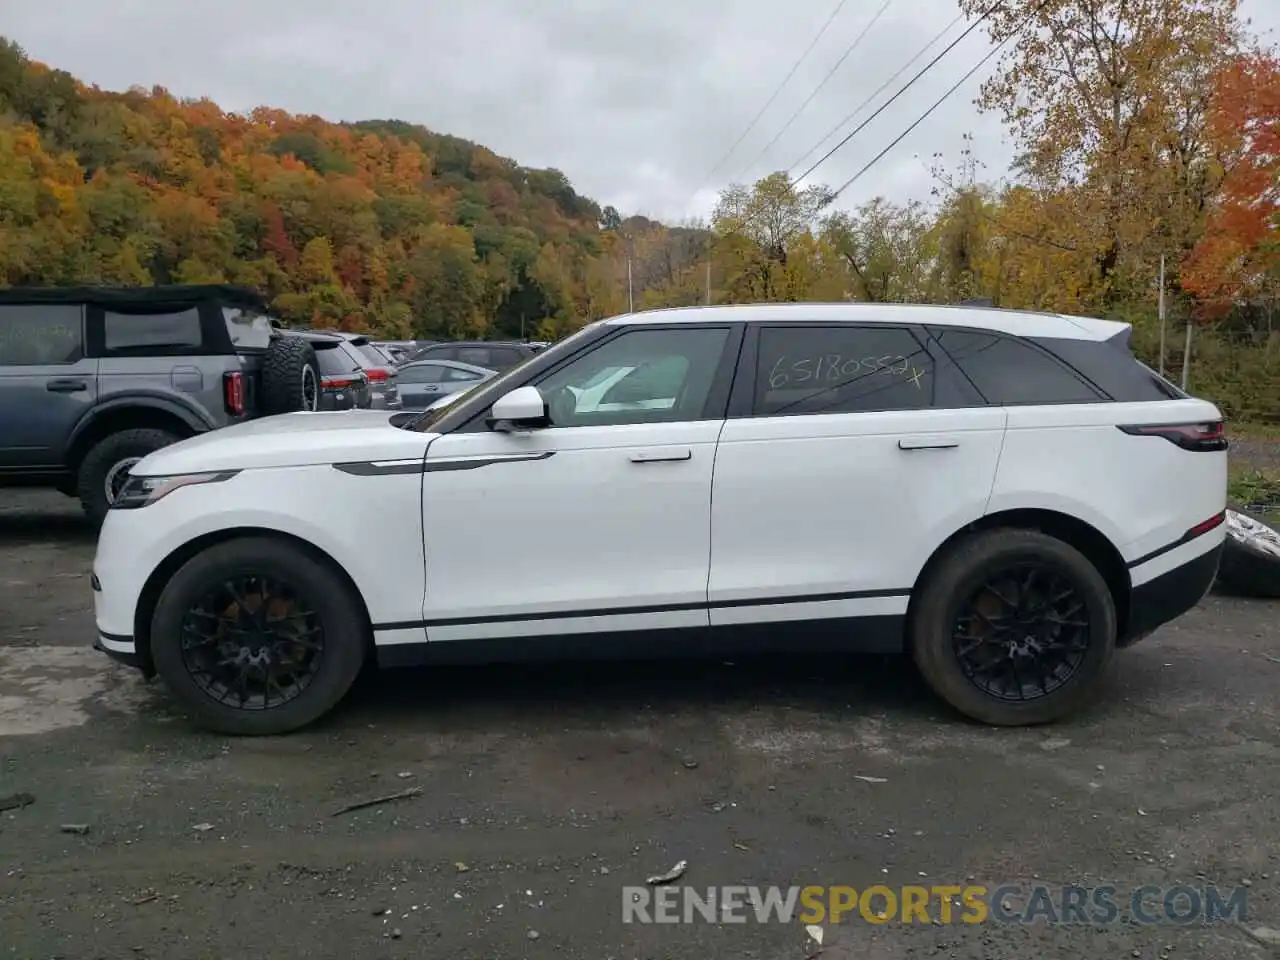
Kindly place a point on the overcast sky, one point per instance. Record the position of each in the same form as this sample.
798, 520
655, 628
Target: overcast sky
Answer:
637, 102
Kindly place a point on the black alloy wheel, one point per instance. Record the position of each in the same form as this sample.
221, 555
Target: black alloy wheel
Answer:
252, 642
1023, 633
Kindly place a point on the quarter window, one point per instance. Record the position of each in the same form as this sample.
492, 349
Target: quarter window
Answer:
177, 332
840, 369
642, 376
40, 335
1008, 372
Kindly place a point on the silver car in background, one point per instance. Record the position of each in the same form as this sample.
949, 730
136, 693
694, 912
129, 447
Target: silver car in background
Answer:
423, 382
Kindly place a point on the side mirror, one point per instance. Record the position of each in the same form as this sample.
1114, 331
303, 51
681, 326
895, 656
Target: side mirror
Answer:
521, 409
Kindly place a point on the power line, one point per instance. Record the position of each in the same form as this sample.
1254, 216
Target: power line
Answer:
816, 90
905, 87
879, 90
778, 90
937, 103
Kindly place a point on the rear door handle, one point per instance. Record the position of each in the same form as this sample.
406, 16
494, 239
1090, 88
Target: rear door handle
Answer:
660, 456
928, 443
66, 385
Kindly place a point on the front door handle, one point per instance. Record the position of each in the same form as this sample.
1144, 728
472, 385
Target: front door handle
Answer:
66, 385
660, 456
928, 443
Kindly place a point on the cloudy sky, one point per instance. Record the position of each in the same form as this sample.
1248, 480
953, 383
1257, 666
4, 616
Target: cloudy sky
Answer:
637, 102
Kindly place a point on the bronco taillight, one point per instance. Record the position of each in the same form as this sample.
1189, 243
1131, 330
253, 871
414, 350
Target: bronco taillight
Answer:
233, 393
1200, 437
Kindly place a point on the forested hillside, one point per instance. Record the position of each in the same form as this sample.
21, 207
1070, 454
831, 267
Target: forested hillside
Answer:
1148, 130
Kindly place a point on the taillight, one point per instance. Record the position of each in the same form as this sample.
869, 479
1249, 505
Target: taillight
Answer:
1200, 437
338, 383
377, 374
233, 393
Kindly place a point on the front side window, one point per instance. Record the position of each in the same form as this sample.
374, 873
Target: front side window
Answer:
1008, 372
40, 335
177, 331
641, 376
840, 369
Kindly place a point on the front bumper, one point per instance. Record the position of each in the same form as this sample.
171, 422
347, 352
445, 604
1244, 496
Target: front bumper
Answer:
1170, 595
123, 650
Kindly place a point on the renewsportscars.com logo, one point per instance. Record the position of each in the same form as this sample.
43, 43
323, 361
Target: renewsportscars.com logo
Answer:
943, 903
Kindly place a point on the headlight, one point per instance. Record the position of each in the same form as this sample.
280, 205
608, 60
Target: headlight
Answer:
143, 491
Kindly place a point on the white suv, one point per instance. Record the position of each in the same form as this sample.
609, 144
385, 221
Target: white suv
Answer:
1007, 496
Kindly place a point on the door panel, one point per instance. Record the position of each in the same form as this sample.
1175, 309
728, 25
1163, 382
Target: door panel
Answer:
565, 530
833, 504
46, 384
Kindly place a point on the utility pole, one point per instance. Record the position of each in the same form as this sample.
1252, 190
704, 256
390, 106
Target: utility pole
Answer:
1186, 356
631, 300
708, 281
1161, 315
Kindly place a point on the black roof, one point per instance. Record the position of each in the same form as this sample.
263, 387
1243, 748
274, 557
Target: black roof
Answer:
143, 296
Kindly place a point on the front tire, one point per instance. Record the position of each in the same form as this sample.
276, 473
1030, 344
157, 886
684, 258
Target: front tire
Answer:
107, 464
255, 637
1014, 627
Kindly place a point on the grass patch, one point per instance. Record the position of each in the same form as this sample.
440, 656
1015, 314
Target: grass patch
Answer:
1257, 487
1266, 432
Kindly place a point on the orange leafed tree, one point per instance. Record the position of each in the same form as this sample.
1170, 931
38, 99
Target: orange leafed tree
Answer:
1239, 257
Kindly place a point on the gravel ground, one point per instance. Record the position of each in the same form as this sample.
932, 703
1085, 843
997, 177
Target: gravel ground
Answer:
544, 791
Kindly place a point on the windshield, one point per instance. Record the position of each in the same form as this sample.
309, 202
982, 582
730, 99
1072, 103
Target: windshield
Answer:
495, 386
247, 327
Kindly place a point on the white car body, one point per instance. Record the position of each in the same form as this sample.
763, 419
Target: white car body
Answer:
646, 530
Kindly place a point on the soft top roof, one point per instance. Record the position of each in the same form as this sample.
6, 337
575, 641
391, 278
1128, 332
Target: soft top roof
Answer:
142, 296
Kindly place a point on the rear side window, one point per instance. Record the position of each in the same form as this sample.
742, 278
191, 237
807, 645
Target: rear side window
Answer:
372, 355
1112, 366
333, 361
176, 332
40, 335
841, 369
478, 356
247, 328
1009, 372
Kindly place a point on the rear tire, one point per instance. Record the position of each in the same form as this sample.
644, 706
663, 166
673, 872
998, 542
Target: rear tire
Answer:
950, 631
335, 630
290, 377
107, 463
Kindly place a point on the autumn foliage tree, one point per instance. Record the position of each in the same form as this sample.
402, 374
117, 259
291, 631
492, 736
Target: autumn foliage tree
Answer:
1238, 259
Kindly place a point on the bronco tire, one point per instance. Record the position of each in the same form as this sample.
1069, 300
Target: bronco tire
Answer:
290, 377
106, 465
1013, 627
256, 637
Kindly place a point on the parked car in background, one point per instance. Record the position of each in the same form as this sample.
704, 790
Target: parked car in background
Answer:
422, 382
401, 350
377, 366
92, 379
500, 355
343, 383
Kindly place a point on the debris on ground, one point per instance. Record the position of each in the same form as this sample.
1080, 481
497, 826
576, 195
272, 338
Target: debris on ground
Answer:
146, 898
675, 873
533, 934
404, 774
815, 932
866, 779
690, 763
375, 801
202, 827
77, 828
16, 801
460, 866
1055, 743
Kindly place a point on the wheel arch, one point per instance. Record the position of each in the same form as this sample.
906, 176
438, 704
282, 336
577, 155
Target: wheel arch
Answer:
164, 571
129, 413
1096, 547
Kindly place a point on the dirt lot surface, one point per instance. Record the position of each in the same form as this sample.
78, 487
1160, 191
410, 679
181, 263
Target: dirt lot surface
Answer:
545, 790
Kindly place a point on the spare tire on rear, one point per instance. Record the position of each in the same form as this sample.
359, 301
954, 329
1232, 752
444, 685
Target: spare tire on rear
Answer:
1250, 564
290, 377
